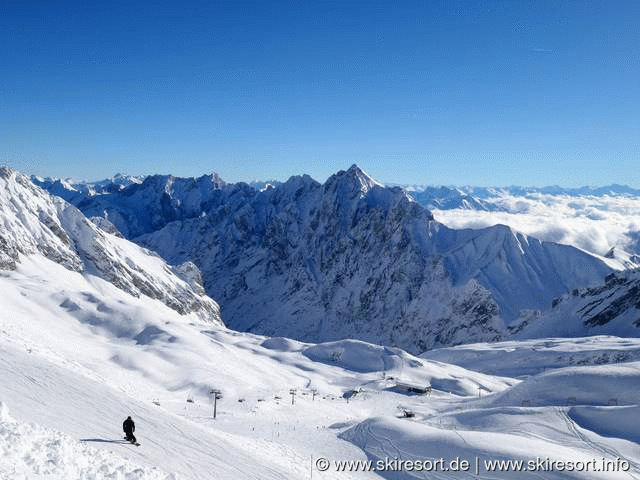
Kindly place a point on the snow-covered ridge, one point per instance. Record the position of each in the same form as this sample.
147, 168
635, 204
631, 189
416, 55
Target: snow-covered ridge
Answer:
36, 222
31, 224
118, 182
595, 219
485, 197
78, 354
611, 308
522, 358
349, 258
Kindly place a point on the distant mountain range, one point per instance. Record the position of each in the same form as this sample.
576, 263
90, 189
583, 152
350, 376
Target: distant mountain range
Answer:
601, 220
444, 197
430, 196
350, 258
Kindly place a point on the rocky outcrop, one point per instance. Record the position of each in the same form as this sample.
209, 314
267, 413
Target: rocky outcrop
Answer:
36, 222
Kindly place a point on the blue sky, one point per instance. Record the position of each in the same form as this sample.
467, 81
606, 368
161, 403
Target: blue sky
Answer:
451, 92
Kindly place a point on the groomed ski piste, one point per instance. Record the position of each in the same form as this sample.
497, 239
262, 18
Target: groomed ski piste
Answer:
78, 355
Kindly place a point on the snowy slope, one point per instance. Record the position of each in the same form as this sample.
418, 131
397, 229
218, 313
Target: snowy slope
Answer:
521, 272
468, 447
79, 352
37, 222
91, 412
518, 358
579, 415
612, 308
346, 259
595, 385
30, 451
79, 355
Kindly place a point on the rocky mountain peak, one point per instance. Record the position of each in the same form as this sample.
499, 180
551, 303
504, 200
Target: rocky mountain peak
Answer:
348, 258
351, 183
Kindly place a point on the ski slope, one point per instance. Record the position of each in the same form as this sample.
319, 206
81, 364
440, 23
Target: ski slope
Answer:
77, 355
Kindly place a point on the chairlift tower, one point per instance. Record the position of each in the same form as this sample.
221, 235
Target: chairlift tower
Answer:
217, 394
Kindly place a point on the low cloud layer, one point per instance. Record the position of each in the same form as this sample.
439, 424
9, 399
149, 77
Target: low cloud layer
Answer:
595, 224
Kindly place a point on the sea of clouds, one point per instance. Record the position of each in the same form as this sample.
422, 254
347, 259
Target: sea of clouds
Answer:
592, 223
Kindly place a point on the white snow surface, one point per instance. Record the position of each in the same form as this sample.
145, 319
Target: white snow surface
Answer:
30, 451
77, 355
521, 358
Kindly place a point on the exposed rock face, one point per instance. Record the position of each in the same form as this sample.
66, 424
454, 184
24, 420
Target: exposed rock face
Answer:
37, 222
612, 308
347, 258
30, 224
106, 225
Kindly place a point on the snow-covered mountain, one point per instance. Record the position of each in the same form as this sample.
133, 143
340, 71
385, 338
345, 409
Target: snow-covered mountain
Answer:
65, 186
347, 259
447, 198
612, 308
35, 222
79, 352
350, 258
595, 219
489, 198
147, 206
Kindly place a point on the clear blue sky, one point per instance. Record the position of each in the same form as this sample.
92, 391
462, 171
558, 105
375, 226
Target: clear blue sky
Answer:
445, 92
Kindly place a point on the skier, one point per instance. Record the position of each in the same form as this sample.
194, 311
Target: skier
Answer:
129, 427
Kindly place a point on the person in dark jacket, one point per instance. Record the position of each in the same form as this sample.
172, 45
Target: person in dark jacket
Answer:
129, 427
